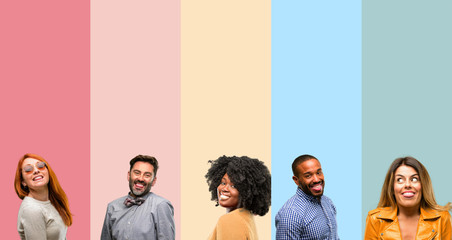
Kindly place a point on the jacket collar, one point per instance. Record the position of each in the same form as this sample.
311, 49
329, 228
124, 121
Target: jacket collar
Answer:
389, 213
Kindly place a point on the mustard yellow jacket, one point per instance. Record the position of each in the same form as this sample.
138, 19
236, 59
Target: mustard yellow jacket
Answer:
382, 223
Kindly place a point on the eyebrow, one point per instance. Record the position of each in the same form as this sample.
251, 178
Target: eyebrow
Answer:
410, 176
136, 170
320, 169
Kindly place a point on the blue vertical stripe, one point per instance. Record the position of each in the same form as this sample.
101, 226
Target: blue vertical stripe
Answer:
316, 101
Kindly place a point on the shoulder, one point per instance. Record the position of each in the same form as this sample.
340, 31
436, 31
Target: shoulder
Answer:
31, 210
381, 212
374, 211
30, 205
235, 219
158, 200
295, 203
443, 214
294, 206
238, 224
116, 204
328, 201
117, 201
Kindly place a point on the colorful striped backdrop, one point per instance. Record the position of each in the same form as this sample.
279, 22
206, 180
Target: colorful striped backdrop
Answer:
90, 84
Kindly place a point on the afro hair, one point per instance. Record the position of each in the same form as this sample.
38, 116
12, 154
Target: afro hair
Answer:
251, 178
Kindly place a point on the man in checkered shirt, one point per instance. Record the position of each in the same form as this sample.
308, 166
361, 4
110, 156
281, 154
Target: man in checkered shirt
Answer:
308, 215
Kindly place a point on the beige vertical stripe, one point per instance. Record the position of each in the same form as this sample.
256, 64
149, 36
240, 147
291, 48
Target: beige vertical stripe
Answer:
226, 99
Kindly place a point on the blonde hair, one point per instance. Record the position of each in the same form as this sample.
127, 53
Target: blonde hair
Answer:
57, 196
387, 198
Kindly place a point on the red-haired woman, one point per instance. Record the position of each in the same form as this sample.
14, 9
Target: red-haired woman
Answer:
44, 212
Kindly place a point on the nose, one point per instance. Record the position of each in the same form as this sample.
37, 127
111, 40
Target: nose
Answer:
225, 188
141, 177
316, 178
35, 170
407, 184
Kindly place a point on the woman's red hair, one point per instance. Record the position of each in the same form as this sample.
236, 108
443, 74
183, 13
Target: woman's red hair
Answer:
56, 194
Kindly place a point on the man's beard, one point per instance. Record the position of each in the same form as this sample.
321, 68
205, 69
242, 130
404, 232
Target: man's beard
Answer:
147, 187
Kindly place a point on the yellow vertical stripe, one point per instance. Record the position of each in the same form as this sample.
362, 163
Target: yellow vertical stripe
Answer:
226, 99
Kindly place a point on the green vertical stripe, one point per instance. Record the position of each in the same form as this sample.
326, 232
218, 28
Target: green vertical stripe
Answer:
407, 92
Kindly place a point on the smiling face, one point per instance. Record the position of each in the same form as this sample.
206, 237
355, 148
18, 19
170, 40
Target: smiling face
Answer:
310, 177
407, 187
228, 195
141, 178
37, 178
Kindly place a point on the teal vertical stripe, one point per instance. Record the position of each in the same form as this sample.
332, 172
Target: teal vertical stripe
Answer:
316, 101
407, 85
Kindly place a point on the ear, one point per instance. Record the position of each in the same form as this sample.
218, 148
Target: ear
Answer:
295, 179
154, 181
128, 176
24, 184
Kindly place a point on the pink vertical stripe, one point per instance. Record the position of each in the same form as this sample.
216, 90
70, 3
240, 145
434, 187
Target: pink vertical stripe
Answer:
44, 100
135, 98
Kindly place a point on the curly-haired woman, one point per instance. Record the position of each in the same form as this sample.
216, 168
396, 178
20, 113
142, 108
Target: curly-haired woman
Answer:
407, 208
44, 212
242, 185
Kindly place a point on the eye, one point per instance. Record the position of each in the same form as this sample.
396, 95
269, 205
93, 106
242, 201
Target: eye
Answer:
136, 172
28, 168
232, 186
415, 179
308, 176
41, 165
148, 175
399, 180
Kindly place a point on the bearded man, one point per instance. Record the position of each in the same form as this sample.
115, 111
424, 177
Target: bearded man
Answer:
142, 214
308, 215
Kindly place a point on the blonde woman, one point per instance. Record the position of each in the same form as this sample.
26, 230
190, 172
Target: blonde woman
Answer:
407, 209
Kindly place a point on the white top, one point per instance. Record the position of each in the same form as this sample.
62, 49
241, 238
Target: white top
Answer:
39, 220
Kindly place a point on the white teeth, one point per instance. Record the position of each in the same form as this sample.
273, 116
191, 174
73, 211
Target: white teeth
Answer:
37, 178
223, 197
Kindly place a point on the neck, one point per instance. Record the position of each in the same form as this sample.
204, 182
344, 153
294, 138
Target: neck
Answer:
228, 210
409, 212
310, 194
41, 194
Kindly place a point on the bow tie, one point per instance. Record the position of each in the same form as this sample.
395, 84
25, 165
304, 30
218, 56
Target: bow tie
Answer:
130, 201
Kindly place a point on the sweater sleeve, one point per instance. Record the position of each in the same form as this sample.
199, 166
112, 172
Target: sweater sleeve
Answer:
34, 224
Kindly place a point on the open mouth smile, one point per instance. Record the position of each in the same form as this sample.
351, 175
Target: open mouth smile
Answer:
139, 186
318, 187
408, 194
38, 178
224, 197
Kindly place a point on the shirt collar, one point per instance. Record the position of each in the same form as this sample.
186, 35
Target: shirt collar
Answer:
308, 197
